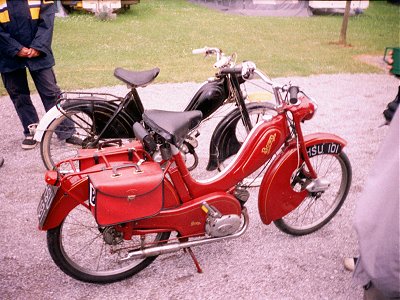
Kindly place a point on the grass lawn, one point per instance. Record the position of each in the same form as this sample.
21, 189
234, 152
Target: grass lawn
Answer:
162, 33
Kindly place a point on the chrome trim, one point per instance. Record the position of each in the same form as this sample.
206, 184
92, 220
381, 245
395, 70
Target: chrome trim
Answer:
174, 247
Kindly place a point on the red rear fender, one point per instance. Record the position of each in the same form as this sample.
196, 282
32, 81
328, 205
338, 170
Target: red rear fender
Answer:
65, 201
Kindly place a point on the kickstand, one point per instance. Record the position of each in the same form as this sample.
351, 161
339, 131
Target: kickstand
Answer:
196, 262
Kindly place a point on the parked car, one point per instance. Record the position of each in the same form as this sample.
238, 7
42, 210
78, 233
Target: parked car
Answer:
337, 7
99, 6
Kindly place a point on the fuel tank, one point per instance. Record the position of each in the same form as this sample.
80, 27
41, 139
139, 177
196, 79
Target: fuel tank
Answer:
209, 97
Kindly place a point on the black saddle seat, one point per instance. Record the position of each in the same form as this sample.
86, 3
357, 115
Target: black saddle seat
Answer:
172, 126
136, 79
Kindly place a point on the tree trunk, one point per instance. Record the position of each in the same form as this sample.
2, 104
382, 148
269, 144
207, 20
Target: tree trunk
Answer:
342, 38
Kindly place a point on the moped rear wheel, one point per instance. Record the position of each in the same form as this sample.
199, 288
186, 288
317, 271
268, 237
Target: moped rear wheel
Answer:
53, 149
89, 253
317, 209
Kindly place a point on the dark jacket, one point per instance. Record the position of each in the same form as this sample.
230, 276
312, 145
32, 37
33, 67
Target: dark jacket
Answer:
26, 23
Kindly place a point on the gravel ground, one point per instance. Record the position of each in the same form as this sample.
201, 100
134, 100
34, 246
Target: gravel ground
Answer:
263, 264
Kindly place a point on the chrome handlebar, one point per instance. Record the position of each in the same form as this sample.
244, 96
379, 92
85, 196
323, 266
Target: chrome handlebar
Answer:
222, 60
248, 70
293, 90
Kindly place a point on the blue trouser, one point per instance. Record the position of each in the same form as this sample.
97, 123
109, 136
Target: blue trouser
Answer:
16, 84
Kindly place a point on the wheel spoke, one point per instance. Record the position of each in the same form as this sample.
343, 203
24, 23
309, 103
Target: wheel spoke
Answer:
85, 246
53, 145
316, 210
91, 254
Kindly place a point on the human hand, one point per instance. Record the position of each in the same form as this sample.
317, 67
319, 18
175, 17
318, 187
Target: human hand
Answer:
24, 52
33, 53
389, 60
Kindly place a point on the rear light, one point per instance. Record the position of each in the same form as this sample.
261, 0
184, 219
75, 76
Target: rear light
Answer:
51, 177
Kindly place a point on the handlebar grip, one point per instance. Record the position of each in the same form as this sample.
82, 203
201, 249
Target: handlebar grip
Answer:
293, 91
199, 51
234, 70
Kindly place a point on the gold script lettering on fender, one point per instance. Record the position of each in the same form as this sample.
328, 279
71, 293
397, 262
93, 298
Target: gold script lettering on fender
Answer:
267, 149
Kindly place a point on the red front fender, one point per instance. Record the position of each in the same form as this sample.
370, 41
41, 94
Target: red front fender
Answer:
276, 197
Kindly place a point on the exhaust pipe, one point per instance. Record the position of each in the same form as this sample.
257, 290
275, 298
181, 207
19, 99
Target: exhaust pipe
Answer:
174, 247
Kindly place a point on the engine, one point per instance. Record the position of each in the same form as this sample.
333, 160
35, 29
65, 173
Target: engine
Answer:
218, 225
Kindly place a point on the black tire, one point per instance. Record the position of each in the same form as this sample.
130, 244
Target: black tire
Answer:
256, 112
335, 168
79, 249
53, 150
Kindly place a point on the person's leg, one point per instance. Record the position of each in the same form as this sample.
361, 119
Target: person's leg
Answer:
46, 84
16, 84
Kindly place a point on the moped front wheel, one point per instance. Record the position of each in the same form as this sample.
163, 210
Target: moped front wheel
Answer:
317, 209
89, 253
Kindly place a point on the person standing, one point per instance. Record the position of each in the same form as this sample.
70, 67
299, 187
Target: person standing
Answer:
377, 223
377, 219
26, 30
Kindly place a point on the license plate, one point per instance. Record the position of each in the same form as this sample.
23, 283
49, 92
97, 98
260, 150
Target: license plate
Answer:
326, 148
45, 203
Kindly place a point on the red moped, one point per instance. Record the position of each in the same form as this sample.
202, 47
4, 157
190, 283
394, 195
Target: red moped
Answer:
113, 213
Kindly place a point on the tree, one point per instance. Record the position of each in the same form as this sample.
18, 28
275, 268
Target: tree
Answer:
343, 31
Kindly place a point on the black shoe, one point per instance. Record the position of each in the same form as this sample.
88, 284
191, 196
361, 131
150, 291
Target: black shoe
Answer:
74, 140
28, 143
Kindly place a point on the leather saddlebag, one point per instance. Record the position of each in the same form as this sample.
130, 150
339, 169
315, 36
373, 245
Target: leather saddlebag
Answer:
126, 192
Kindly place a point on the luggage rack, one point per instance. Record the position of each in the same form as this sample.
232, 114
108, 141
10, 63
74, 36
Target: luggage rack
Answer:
86, 96
104, 157
90, 102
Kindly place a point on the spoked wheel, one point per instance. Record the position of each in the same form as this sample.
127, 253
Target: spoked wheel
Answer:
55, 147
256, 112
90, 253
318, 208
